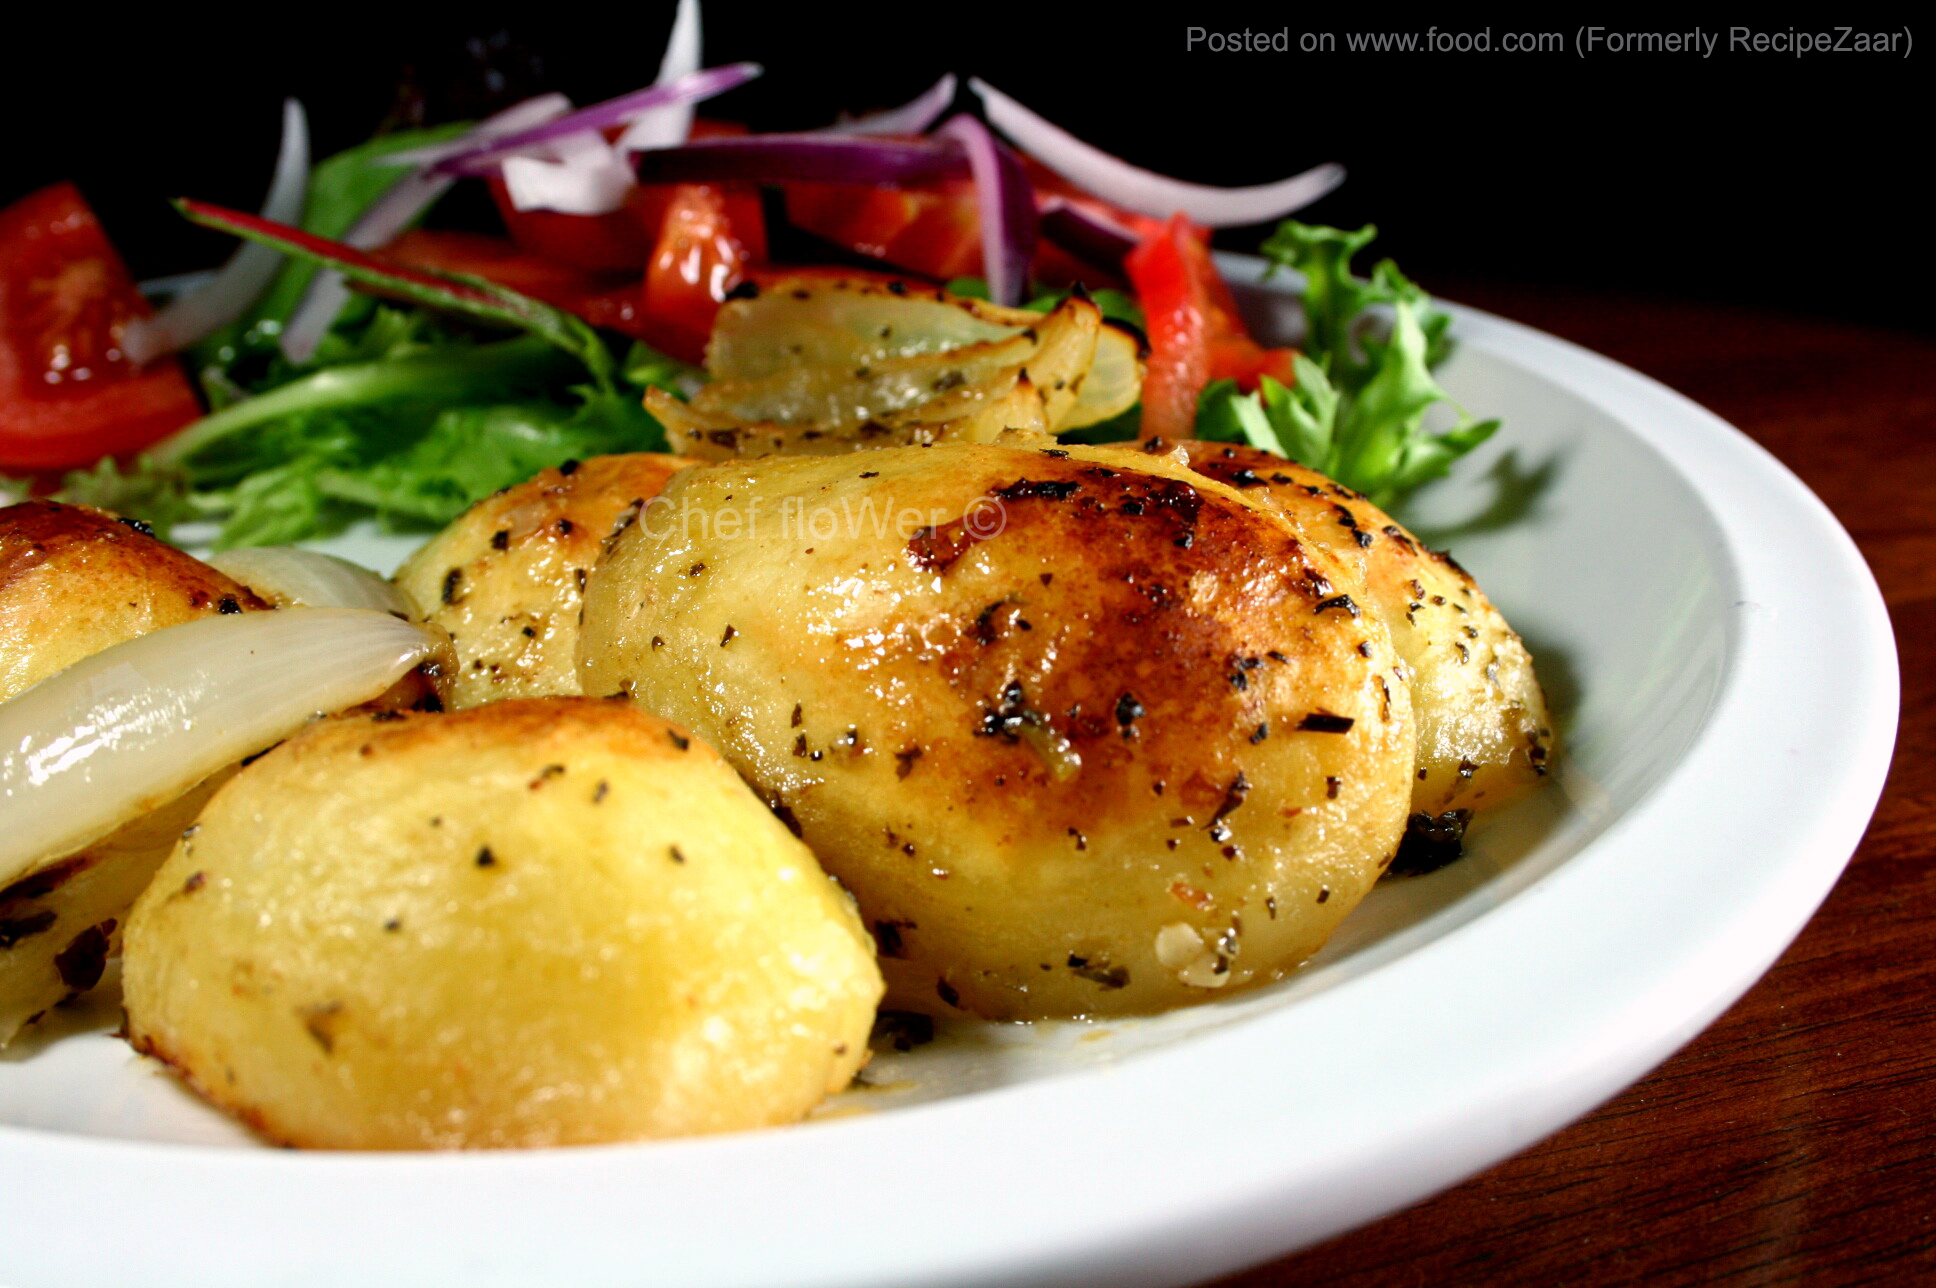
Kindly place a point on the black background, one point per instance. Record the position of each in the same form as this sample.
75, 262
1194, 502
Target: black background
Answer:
1755, 179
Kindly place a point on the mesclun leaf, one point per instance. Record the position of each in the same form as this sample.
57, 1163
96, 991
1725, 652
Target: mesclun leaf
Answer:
646, 368
449, 374
341, 188
1357, 410
471, 452
1115, 305
457, 292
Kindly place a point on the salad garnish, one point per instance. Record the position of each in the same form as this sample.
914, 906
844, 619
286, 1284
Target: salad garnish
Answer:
328, 405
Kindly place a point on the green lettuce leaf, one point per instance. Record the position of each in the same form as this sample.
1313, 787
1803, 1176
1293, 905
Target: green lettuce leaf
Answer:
1358, 408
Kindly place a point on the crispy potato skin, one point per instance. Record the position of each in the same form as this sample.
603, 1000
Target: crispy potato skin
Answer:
74, 580
536, 922
505, 578
61, 922
1061, 765
1484, 735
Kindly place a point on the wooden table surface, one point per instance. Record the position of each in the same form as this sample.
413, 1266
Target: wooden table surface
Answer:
1795, 1140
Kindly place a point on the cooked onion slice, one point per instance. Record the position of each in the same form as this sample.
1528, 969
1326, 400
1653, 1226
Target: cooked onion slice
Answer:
287, 576
1135, 188
135, 725
247, 274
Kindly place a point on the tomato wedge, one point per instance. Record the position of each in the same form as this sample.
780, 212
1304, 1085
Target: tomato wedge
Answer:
932, 231
68, 395
602, 299
703, 252
1194, 332
624, 238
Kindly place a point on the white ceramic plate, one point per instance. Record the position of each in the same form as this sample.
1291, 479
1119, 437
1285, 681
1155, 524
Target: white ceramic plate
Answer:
1726, 680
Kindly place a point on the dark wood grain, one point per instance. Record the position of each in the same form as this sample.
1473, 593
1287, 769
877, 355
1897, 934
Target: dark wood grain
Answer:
1794, 1142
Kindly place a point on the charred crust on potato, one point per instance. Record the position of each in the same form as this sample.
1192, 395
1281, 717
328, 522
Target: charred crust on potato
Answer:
1098, 971
1430, 842
44, 881
81, 963
14, 930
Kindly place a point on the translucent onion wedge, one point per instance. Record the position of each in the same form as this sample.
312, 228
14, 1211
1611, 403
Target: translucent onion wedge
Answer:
287, 576
135, 725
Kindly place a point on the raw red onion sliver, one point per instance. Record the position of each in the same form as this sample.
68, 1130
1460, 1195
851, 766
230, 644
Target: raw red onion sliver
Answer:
248, 272
587, 177
515, 119
393, 212
911, 117
665, 127
1007, 206
1086, 234
823, 158
1135, 188
616, 111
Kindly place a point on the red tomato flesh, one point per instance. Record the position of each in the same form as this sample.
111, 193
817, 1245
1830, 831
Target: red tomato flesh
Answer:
1194, 332
68, 395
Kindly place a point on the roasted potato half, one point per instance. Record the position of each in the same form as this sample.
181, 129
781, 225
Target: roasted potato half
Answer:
536, 922
1484, 735
1082, 730
74, 579
505, 577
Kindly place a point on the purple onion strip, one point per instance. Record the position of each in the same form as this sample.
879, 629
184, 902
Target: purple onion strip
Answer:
395, 211
667, 126
1086, 234
1007, 207
613, 111
1144, 191
821, 158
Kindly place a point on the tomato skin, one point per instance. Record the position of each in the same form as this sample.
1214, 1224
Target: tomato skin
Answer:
602, 299
1176, 307
1194, 332
699, 258
620, 239
625, 238
68, 396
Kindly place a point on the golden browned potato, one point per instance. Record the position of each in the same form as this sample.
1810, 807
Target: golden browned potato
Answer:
74, 579
535, 922
505, 578
1484, 736
1083, 731
60, 923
